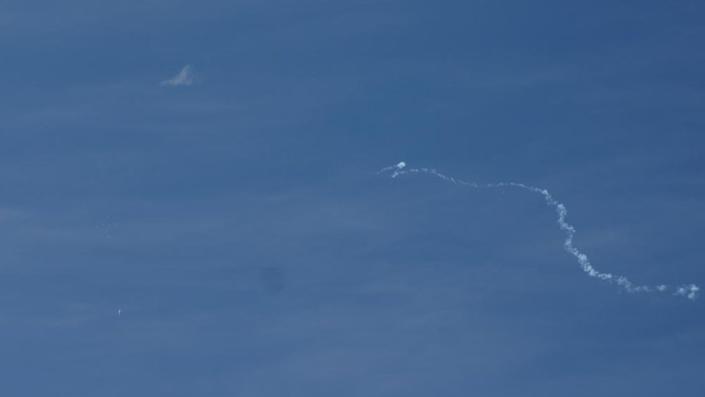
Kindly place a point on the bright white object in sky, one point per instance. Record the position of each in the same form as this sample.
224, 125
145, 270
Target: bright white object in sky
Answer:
688, 290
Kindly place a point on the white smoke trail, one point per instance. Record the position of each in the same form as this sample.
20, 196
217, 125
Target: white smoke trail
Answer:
688, 290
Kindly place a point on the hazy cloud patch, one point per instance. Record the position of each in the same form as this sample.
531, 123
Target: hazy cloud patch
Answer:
183, 78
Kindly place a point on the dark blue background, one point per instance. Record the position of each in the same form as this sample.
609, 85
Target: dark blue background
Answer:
240, 227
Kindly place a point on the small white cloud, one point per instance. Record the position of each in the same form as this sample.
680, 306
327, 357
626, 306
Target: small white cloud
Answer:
183, 78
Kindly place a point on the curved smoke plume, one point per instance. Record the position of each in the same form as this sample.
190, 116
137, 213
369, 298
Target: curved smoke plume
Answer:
687, 290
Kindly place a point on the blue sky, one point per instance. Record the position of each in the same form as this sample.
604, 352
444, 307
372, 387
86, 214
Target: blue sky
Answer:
238, 223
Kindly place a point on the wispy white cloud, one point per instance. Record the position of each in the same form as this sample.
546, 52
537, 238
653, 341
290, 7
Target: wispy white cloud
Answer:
183, 78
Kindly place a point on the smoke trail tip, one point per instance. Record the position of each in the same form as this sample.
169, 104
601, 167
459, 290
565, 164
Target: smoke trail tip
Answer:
689, 291
394, 169
693, 292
